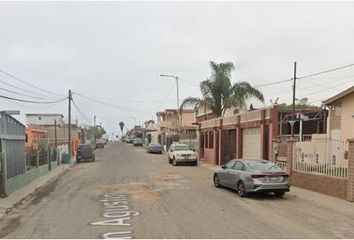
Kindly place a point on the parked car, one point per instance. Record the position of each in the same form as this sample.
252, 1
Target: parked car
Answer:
246, 176
85, 152
99, 144
154, 148
137, 142
130, 140
181, 153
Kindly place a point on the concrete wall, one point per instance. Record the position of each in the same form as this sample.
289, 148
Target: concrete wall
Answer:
43, 119
22, 180
187, 119
347, 117
209, 156
332, 186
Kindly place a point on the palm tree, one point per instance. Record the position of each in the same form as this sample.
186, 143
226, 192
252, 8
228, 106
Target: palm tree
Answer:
218, 92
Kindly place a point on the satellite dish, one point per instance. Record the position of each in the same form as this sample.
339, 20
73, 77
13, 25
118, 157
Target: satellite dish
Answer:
276, 101
303, 101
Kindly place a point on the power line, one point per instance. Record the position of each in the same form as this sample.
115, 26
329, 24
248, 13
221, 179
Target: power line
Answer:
329, 88
29, 84
111, 105
273, 83
306, 76
336, 77
22, 89
327, 71
50, 105
130, 101
28, 101
82, 114
168, 93
189, 83
21, 94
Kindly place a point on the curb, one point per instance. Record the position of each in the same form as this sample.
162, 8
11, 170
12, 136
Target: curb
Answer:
4, 211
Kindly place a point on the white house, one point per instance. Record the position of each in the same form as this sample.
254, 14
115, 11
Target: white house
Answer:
44, 118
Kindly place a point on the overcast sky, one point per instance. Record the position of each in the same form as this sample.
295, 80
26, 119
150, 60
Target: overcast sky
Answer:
115, 51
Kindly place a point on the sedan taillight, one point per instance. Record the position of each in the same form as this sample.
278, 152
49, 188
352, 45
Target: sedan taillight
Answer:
257, 176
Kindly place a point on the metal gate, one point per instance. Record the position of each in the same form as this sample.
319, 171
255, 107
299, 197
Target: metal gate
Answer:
229, 145
12, 148
251, 143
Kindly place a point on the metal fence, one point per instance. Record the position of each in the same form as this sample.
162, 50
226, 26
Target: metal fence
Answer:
282, 164
322, 156
12, 135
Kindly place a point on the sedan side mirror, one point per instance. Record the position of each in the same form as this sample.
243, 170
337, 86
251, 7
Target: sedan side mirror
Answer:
171, 150
223, 167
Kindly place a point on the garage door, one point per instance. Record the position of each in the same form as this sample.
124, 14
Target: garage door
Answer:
251, 143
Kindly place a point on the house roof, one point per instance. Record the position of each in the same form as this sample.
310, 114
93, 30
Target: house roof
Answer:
31, 128
339, 96
44, 114
175, 111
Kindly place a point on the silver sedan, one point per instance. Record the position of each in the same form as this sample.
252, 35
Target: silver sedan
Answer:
247, 176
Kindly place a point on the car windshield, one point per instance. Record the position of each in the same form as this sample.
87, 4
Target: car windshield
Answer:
155, 145
138, 140
182, 148
262, 166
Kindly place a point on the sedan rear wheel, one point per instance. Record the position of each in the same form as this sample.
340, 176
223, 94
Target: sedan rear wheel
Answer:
216, 181
241, 190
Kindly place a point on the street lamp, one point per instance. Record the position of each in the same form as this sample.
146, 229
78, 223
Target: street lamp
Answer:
176, 78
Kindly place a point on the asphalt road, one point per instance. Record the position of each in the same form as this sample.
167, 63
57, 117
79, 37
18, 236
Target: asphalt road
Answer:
158, 200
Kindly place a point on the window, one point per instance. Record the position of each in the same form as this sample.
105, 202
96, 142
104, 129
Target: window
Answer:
39, 118
262, 165
230, 164
206, 140
211, 139
239, 166
26, 137
182, 148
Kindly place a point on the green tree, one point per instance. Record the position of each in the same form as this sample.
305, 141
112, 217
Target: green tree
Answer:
121, 125
95, 132
218, 94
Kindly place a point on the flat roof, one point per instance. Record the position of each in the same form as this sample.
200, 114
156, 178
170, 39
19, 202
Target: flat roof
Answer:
44, 114
339, 96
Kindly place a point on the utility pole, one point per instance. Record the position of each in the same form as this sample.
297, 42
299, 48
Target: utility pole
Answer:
94, 121
55, 133
69, 127
292, 122
178, 110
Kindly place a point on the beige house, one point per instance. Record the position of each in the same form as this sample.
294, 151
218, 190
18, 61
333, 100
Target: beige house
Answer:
341, 115
175, 122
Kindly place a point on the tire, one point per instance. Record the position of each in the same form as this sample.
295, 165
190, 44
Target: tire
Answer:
279, 194
216, 181
241, 189
174, 162
77, 160
196, 163
169, 159
93, 158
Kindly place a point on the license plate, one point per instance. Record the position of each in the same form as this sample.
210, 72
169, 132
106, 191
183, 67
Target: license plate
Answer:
274, 179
